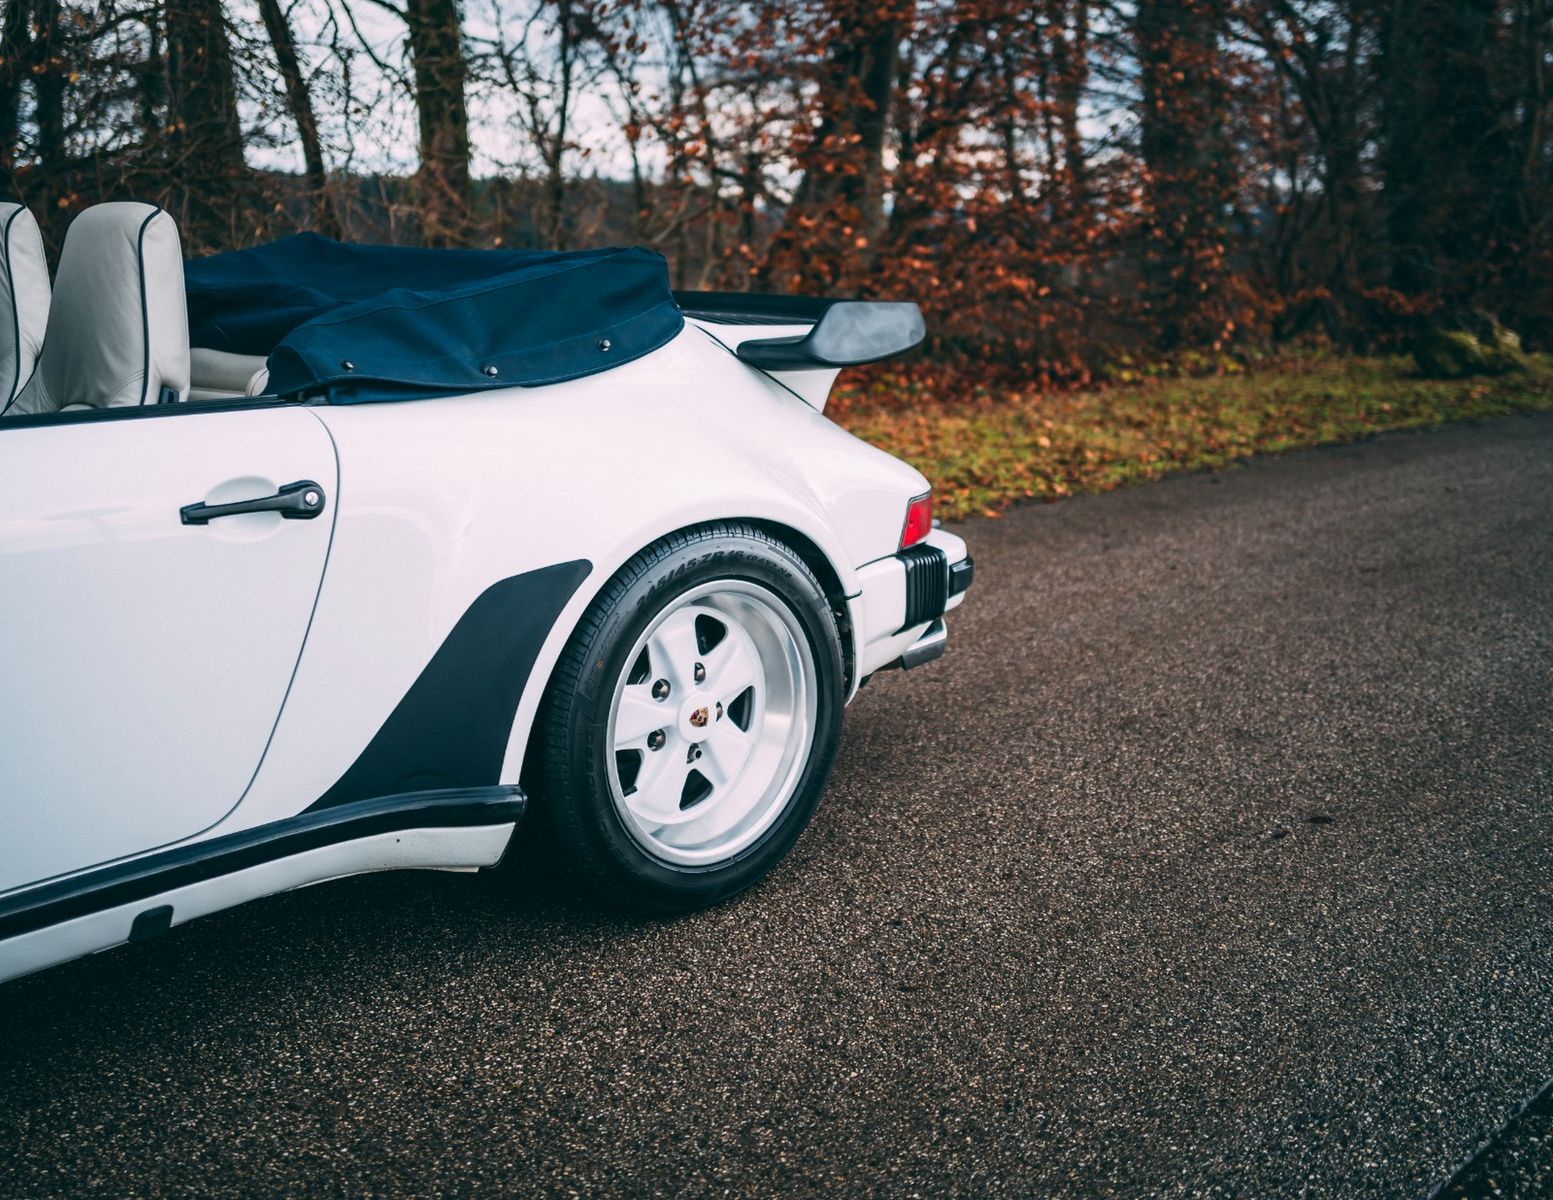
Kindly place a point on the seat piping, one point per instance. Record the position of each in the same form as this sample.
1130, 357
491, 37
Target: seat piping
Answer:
16, 319
145, 308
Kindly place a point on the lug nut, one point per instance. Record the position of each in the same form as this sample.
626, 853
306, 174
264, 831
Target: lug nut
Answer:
693, 754
700, 673
655, 740
719, 710
660, 690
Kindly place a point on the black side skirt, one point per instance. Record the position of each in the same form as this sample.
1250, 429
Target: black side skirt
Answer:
141, 878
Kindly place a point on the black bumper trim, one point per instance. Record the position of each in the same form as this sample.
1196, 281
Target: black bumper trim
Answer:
927, 584
962, 575
926, 648
140, 878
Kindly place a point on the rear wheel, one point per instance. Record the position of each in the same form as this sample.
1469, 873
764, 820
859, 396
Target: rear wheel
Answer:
692, 721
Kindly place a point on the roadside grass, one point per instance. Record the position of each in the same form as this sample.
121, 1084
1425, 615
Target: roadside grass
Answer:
986, 450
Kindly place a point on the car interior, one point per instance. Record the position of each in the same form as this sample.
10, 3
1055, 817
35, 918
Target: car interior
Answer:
114, 330
115, 333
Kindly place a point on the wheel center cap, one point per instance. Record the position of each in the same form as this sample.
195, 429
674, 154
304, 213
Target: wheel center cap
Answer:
695, 717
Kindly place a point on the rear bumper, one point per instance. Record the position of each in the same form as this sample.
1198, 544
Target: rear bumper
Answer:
897, 616
931, 645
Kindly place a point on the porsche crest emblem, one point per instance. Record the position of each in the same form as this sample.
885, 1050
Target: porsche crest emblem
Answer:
699, 718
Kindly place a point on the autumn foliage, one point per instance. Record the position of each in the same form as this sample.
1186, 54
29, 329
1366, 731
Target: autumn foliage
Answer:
1066, 186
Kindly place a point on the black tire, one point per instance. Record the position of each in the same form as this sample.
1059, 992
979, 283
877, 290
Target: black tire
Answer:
573, 799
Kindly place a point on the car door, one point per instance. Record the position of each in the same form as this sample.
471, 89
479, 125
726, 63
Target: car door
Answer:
144, 653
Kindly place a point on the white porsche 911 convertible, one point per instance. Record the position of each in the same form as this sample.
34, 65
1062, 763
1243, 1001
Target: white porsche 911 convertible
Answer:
318, 559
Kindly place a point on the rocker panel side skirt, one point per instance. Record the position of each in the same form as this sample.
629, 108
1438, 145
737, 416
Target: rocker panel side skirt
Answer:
139, 879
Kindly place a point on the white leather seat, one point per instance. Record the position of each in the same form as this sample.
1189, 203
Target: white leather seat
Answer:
118, 329
24, 299
220, 375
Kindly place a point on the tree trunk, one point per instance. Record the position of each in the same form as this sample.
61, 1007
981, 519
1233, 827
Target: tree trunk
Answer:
441, 76
15, 47
555, 149
151, 89
49, 80
878, 69
1190, 173
1407, 107
1449, 143
843, 179
846, 157
1072, 77
300, 103
209, 179
1528, 283
1341, 191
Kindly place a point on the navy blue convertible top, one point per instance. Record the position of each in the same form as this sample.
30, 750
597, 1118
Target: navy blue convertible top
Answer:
369, 323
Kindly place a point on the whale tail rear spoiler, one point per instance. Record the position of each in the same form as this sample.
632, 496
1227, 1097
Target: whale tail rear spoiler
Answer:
815, 334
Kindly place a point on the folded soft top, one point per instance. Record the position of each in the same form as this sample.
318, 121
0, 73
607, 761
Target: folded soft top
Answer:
370, 323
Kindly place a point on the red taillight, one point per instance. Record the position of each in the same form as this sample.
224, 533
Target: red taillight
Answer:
919, 520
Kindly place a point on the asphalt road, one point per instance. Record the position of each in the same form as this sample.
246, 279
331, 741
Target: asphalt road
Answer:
1214, 858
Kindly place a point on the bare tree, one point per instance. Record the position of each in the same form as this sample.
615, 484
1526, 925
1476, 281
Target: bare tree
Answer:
1188, 166
441, 80
299, 101
438, 86
562, 49
208, 176
15, 52
845, 159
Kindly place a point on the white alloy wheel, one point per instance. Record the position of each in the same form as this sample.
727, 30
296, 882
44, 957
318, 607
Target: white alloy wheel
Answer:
711, 723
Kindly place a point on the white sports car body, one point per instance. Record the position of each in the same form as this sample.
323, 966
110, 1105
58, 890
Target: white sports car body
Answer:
254, 642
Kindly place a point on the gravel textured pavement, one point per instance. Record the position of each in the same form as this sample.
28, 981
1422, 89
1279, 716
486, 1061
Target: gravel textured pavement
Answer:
1214, 858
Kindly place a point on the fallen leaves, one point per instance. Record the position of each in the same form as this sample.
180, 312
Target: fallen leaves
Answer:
985, 449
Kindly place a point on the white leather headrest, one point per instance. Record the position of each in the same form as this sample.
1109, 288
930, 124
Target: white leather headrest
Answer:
24, 299
118, 331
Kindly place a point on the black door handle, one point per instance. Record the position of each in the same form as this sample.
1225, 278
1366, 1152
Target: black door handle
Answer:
300, 501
